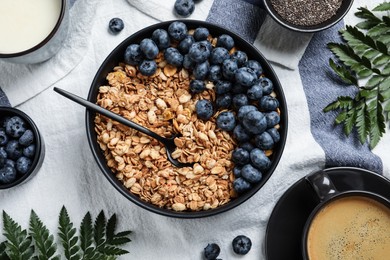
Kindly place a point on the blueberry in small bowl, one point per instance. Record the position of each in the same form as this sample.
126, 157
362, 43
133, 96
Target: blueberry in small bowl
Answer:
21, 148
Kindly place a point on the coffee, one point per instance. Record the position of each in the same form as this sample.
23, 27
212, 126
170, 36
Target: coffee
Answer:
354, 227
26, 23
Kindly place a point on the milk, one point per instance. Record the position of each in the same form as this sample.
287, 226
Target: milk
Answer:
26, 23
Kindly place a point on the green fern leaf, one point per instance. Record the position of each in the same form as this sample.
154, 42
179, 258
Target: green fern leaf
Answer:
99, 231
382, 7
43, 240
365, 53
377, 126
67, 233
18, 244
110, 229
86, 236
112, 250
362, 122
343, 73
374, 81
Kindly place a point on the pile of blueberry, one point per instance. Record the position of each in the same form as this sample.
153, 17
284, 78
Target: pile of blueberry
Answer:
244, 101
17, 149
241, 245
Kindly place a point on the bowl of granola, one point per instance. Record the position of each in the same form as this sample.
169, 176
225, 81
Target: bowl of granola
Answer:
212, 89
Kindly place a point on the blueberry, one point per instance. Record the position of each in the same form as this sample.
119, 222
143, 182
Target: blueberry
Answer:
245, 110
3, 156
241, 134
199, 52
201, 70
15, 127
149, 48
237, 171
251, 174
229, 68
188, 63
226, 121
27, 138
204, 109
240, 185
267, 85
148, 67
259, 159
247, 146
273, 118
211, 251
201, 34
23, 164
254, 122
161, 38
13, 149
133, 54
245, 77
173, 57
215, 73
268, 103
116, 25
241, 245
208, 45
240, 57
274, 133
223, 101
225, 41
240, 156
222, 87
255, 66
185, 44
7, 175
3, 121
3, 137
240, 100
197, 86
177, 30
9, 163
218, 55
238, 89
29, 151
264, 141
184, 7
255, 92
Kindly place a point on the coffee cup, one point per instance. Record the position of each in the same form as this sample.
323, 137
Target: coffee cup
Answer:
352, 224
32, 31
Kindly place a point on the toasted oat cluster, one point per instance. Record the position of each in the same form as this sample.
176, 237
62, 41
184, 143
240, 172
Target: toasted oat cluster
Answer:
163, 103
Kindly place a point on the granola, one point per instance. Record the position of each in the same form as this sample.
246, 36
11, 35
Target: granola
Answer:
163, 104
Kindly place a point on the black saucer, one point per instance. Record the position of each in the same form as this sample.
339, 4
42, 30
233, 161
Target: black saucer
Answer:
285, 226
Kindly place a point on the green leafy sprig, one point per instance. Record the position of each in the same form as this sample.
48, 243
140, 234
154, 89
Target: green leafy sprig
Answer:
96, 241
364, 56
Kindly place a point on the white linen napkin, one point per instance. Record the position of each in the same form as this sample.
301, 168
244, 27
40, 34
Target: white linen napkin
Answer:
21, 82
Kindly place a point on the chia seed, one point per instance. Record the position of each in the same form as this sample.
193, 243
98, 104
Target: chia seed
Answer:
306, 12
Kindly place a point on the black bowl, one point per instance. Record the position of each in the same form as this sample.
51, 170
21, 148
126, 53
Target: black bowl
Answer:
116, 56
341, 12
39, 143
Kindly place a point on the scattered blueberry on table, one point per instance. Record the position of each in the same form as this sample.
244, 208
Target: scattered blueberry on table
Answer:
17, 148
211, 251
241, 245
184, 8
116, 25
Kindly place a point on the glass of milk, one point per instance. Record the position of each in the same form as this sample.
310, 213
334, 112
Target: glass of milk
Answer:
32, 31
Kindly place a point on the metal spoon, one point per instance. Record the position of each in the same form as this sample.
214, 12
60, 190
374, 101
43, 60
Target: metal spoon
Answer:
167, 142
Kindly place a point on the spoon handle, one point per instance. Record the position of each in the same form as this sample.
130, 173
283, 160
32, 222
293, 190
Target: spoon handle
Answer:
108, 114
